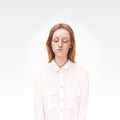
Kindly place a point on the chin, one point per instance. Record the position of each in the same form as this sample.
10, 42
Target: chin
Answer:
60, 55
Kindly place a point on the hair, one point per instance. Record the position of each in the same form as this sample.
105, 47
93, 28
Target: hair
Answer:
72, 50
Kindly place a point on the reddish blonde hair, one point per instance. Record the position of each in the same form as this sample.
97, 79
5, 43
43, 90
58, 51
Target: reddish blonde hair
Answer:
71, 52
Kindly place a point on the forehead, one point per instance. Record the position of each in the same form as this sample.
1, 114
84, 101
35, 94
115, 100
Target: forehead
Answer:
61, 33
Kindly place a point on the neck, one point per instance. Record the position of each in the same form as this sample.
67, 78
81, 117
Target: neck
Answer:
60, 61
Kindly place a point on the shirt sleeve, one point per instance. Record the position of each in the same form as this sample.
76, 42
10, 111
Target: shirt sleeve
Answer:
84, 97
38, 102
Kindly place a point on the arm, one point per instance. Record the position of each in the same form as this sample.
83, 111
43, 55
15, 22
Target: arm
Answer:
38, 103
84, 97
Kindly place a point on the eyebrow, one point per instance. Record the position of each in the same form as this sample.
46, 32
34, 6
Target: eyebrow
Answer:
63, 37
66, 37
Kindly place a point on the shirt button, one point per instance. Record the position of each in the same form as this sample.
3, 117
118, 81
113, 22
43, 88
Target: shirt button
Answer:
61, 110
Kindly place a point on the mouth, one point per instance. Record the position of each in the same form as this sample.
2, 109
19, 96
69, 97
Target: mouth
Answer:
59, 50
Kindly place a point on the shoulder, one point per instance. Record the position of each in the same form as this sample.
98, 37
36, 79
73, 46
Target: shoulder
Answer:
43, 68
79, 72
78, 67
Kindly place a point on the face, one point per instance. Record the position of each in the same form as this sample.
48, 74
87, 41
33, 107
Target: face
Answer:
61, 43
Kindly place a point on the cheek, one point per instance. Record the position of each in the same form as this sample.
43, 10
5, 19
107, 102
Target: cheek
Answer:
68, 47
52, 45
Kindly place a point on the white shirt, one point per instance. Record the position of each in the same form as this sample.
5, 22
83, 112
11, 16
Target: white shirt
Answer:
61, 93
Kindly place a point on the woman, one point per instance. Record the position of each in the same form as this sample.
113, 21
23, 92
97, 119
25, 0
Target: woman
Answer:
61, 87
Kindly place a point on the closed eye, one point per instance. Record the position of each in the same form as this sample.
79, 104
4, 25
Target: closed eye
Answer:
55, 40
65, 40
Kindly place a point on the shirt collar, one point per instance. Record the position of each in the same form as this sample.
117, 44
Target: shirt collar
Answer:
57, 68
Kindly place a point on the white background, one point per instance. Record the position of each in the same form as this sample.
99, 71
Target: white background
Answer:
24, 28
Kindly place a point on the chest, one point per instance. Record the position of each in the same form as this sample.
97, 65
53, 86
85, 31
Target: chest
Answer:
64, 78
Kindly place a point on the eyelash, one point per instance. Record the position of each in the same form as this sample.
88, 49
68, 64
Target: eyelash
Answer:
56, 40
65, 41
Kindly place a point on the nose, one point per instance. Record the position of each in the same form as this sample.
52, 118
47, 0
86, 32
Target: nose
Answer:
60, 43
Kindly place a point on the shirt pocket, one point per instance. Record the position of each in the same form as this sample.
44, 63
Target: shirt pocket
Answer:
72, 97
50, 98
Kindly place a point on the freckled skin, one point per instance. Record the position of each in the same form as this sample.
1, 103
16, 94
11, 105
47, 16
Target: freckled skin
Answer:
61, 42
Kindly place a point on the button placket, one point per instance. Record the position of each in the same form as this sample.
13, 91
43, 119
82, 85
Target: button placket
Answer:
61, 93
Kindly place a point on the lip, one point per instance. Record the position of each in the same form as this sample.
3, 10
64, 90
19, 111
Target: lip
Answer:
60, 49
